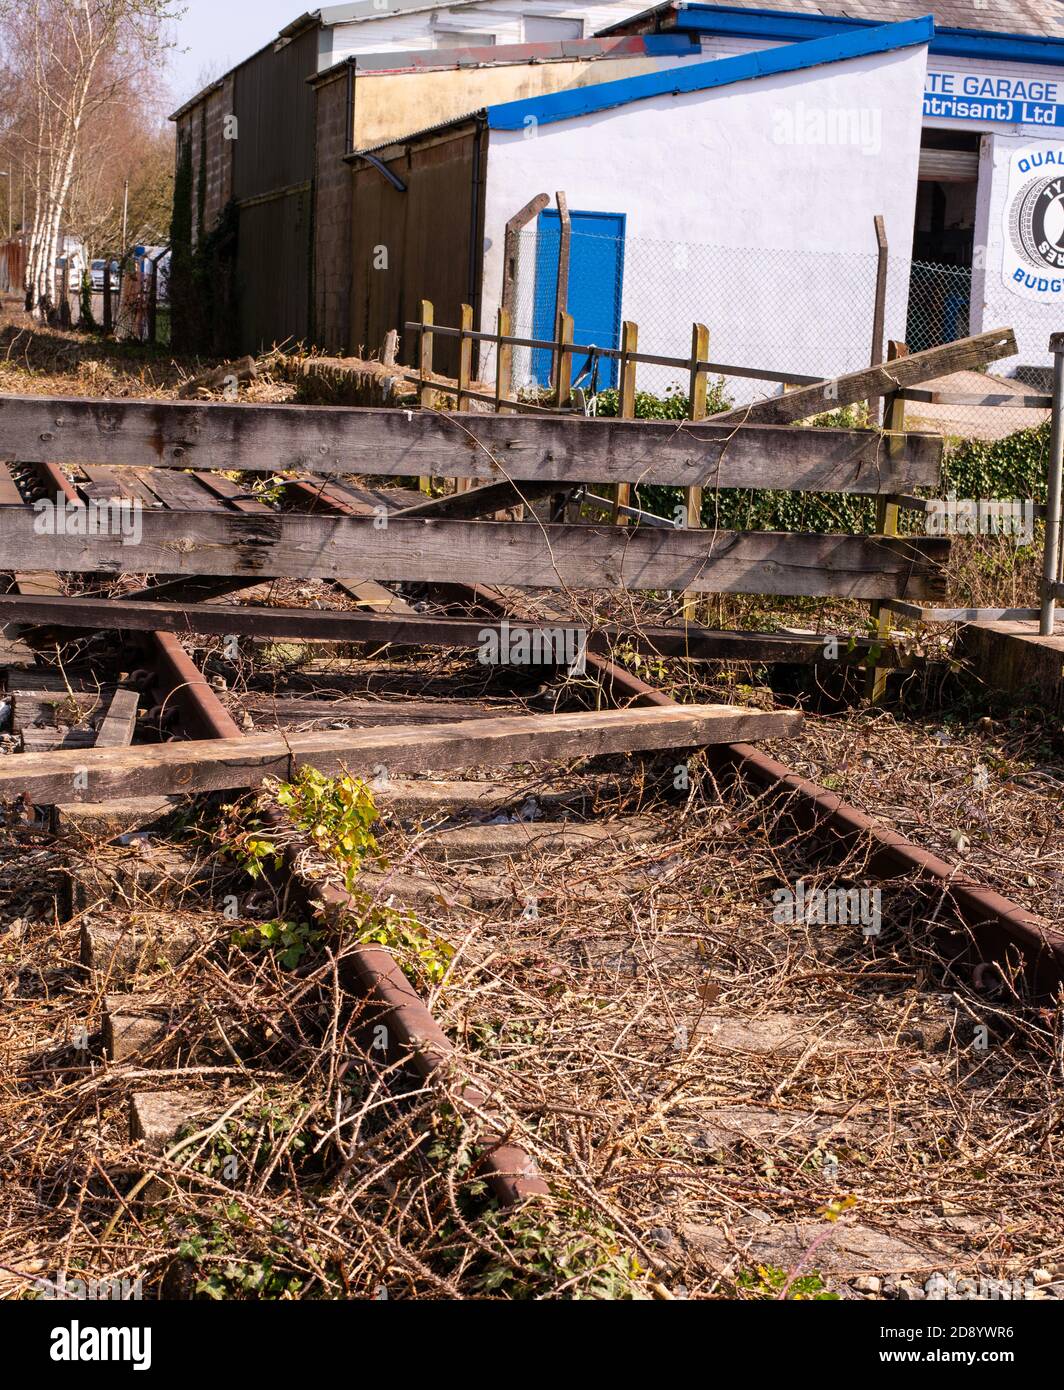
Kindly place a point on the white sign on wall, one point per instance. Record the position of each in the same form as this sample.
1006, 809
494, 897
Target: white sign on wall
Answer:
1033, 261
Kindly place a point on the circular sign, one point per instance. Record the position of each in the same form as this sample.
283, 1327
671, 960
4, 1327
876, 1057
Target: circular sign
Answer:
1036, 223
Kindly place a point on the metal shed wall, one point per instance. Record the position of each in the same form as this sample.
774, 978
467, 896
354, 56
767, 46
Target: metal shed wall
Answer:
274, 107
273, 281
273, 171
427, 234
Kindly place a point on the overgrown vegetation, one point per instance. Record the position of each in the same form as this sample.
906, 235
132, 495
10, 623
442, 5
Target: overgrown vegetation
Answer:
673, 405
203, 303
337, 815
1014, 467
769, 1282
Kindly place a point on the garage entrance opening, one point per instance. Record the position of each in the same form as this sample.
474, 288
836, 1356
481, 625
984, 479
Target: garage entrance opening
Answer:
943, 239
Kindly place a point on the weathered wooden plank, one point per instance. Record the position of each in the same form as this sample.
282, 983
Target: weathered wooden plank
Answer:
14, 653
117, 726
233, 493
40, 582
107, 482
225, 764
182, 491
185, 590
967, 354
115, 730
489, 552
289, 711
414, 630
334, 440
1013, 402
369, 594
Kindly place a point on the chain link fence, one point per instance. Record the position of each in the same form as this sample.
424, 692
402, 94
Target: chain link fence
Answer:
807, 313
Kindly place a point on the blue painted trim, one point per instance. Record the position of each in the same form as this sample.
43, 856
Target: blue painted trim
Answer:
947, 42
1007, 48
721, 72
764, 24
666, 45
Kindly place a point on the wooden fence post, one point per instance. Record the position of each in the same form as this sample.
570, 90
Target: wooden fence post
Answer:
425, 371
465, 371
563, 357
886, 525
504, 361
626, 407
696, 394
563, 391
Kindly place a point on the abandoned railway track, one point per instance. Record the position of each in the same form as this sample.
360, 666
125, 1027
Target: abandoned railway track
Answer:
554, 974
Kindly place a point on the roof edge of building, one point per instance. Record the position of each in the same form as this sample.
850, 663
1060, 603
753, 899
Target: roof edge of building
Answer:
290, 31
753, 21
397, 142
715, 72
417, 60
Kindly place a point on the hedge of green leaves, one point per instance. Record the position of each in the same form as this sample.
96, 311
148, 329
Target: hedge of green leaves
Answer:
1014, 467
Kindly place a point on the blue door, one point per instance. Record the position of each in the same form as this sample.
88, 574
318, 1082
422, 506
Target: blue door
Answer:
596, 275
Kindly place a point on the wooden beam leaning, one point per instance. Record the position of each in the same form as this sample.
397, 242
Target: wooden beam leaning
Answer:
227, 764
478, 501
335, 441
868, 384
299, 546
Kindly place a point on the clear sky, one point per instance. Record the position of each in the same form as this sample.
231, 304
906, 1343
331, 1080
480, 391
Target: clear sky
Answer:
213, 35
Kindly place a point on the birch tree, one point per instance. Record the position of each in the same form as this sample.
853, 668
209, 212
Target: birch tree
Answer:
70, 59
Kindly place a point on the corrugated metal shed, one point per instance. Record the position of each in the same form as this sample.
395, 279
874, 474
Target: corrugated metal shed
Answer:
430, 235
273, 277
273, 99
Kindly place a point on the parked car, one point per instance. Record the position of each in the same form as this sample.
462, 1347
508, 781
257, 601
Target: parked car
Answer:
76, 268
96, 272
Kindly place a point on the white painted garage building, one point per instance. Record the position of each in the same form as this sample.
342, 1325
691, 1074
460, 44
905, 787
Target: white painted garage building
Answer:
992, 147
739, 187
715, 204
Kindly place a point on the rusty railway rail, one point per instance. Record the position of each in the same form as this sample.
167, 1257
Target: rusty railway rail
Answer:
998, 930
370, 972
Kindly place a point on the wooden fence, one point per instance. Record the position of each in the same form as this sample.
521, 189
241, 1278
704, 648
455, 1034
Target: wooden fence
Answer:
516, 456
506, 457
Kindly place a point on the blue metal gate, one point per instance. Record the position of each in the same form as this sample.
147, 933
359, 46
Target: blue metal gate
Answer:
596, 277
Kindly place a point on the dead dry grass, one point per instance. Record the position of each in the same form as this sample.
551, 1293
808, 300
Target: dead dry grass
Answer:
699, 1082
706, 1088
694, 1078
